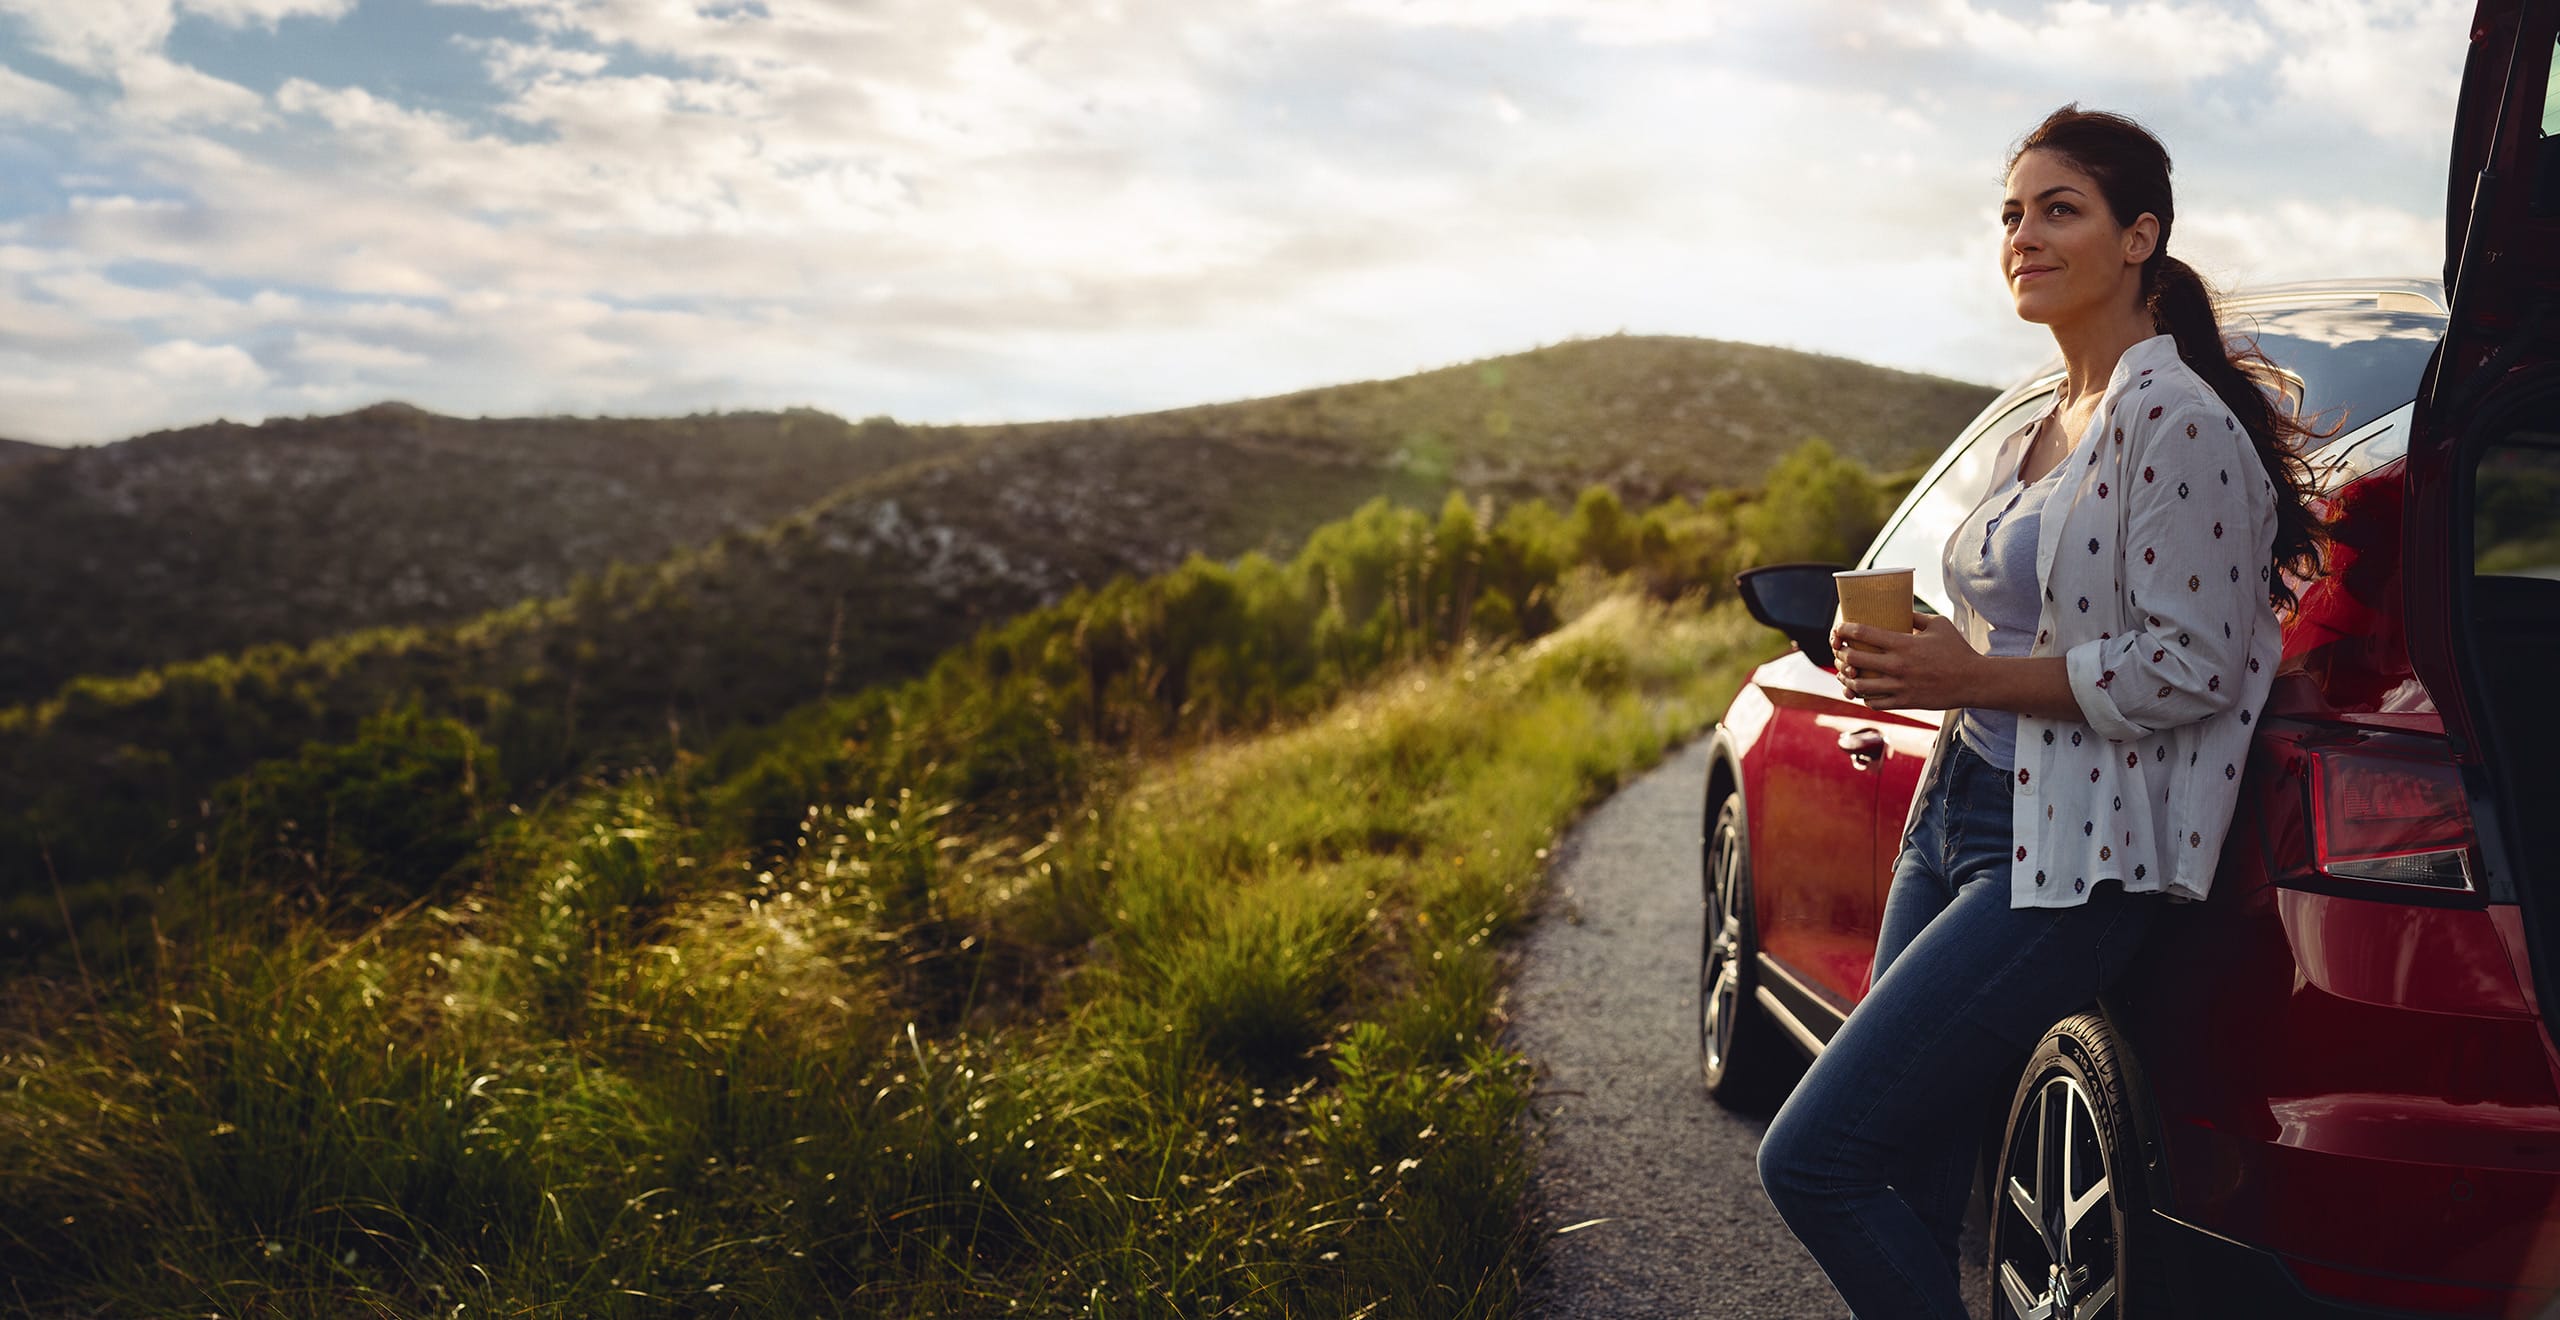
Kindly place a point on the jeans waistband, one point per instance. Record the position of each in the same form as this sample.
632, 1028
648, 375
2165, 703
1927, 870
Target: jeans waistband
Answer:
1971, 780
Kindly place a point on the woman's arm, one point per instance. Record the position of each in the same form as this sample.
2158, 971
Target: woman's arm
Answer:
2029, 685
2195, 576
1933, 668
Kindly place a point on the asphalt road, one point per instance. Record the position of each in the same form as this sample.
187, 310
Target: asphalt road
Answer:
1605, 1001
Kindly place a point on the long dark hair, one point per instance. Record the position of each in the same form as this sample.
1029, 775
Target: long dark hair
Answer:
2131, 169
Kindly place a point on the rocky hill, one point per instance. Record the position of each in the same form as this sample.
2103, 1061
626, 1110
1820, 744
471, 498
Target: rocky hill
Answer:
216, 538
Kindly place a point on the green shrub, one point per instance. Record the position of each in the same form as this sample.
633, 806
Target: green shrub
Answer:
1816, 506
380, 819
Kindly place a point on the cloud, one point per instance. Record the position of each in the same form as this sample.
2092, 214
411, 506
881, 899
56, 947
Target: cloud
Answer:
30, 99
103, 36
161, 91
1017, 209
1601, 22
338, 353
2386, 69
170, 384
2300, 238
2149, 41
516, 63
189, 309
243, 13
95, 36
223, 366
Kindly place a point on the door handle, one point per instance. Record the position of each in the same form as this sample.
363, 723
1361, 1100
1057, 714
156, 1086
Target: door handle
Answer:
1862, 745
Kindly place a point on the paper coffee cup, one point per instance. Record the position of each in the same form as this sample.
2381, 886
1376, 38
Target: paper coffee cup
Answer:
1877, 597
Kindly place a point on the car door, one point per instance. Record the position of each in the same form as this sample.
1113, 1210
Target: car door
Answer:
1811, 813
2481, 527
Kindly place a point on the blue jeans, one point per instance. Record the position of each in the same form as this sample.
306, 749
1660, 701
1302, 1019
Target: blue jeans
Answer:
1871, 1160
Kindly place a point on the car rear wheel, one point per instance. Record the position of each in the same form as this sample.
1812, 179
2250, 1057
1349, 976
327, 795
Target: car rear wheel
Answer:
1740, 1051
2068, 1208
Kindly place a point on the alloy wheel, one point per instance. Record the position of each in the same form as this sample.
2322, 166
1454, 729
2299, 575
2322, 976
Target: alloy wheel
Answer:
1720, 969
2058, 1250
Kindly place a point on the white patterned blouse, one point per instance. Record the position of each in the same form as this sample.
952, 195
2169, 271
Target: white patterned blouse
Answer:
2154, 555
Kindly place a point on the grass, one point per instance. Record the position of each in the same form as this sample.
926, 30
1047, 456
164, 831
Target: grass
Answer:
1223, 1043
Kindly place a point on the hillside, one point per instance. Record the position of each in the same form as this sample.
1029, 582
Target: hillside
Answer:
1648, 416
116, 779
942, 1052
214, 538
870, 586
13, 452
217, 538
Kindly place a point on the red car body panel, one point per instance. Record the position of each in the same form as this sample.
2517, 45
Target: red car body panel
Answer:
1810, 798
2500, 255
1819, 808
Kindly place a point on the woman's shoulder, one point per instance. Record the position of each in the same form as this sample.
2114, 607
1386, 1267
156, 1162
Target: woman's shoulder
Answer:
2166, 392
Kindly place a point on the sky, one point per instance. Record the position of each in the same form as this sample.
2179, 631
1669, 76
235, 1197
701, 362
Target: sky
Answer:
984, 210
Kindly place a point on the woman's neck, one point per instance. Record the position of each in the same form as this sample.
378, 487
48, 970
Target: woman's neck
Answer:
2092, 345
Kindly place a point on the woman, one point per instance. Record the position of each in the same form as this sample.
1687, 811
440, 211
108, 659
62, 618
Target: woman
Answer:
2113, 638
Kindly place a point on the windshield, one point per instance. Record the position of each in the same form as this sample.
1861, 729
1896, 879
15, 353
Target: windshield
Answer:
2356, 364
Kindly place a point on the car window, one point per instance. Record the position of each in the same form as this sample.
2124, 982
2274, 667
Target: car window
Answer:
1930, 514
2515, 510
2355, 364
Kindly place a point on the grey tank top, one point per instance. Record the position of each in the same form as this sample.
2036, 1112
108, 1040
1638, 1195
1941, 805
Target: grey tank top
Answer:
1993, 567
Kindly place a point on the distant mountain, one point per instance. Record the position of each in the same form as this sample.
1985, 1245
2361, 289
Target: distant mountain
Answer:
216, 538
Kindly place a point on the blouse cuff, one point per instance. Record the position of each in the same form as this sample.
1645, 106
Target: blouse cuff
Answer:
2087, 666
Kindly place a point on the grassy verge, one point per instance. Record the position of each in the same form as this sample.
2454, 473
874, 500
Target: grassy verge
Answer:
1221, 1043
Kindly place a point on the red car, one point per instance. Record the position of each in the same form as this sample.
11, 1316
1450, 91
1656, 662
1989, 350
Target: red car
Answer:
2333, 1088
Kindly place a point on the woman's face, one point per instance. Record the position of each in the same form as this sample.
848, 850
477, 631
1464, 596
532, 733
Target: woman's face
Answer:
2061, 251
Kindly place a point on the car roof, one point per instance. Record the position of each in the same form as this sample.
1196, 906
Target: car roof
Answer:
2394, 295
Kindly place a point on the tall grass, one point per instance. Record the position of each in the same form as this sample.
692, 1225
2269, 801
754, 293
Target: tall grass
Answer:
1221, 1041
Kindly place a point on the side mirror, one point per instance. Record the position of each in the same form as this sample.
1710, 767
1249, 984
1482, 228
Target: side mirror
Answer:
1796, 599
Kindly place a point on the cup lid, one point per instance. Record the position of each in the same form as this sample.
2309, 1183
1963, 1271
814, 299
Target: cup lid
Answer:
1869, 572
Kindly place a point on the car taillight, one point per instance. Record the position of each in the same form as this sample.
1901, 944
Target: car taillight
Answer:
2397, 819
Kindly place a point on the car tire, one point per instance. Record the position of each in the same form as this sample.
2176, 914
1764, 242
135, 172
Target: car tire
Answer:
1748, 1065
2069, 1209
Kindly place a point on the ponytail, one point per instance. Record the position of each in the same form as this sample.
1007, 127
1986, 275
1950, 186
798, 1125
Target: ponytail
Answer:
2132, 169
2182, 307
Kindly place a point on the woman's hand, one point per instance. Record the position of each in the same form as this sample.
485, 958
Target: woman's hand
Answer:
1933, 668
